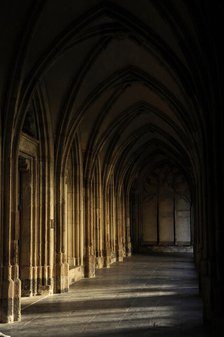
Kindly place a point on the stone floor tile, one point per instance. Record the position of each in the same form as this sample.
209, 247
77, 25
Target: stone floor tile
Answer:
151, 296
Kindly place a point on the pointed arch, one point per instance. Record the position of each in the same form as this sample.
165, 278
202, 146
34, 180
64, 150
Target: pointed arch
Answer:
28, 210
69, 217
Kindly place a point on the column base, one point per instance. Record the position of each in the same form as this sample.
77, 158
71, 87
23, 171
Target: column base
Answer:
17, 292
99, 262
128, 249
62, 277
107, 258
10, 310
89, 266
26, 287
120, 254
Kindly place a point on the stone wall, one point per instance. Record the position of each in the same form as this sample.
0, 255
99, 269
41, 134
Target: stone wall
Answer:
165, 209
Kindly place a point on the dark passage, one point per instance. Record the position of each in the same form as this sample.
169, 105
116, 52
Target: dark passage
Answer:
149, 295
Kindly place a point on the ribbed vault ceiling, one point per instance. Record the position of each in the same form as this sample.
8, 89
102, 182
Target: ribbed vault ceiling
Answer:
122, 76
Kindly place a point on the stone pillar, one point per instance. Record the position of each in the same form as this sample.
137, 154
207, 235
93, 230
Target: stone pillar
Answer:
112, 220
7, 300
62, 267
80, 216
128, 229
119, 219
17, 292
51, 254
10, 285
78, 223
26, 230
97, 221
100, 222
135, 219
89, 258
123, 222
89, 263
51, 223
10, 309
107, 237
71, 221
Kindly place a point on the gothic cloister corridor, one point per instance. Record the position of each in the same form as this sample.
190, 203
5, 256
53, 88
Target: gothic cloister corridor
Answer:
111, 147
151, 296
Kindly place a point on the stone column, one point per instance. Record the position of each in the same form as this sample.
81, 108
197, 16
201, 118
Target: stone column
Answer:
7, 296
98, 222
17, 292
107, 238
123, 219
119, 219
78, 220
26, 227
112, 221
70, 216
135, 219
10, 285
80, 216
62, 267
127, 222
89, 258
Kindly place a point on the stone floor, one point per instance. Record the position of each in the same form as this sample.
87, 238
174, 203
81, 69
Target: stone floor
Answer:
154, 296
